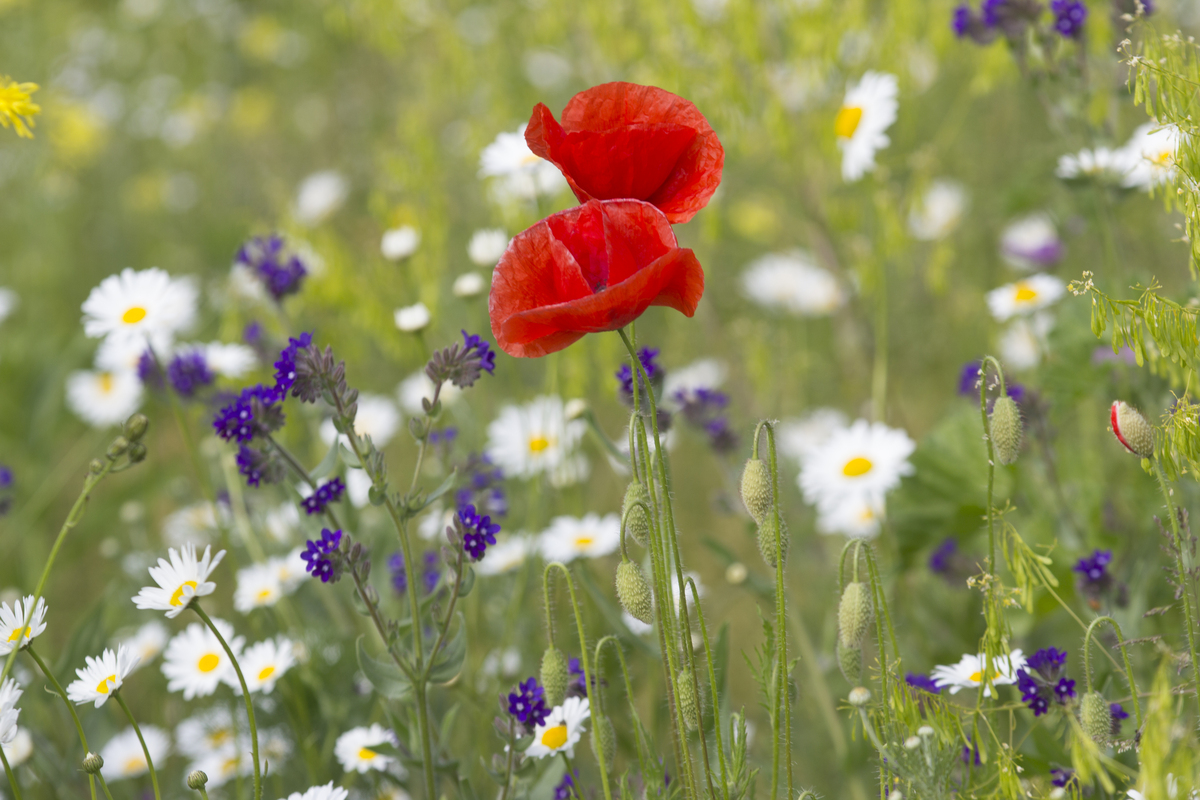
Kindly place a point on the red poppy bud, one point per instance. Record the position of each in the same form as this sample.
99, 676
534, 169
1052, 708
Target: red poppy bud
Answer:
623, 140
595, 267
1132, 429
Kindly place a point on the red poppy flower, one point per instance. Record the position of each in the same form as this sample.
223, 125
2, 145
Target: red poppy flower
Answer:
622, 140
595, 267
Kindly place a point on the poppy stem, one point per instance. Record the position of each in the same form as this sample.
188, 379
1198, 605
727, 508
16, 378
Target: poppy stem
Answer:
145, 750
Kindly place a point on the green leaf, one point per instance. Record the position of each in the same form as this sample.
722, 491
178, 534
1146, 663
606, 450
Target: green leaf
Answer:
386, 677
468, 581
454, 652
328, 462
445, 486
348, 458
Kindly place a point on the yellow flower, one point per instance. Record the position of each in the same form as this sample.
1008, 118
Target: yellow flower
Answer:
15, 106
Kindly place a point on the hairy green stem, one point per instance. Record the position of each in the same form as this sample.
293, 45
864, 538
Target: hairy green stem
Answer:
145, 750
1087, 662
1183, 575
712, 684
58, 689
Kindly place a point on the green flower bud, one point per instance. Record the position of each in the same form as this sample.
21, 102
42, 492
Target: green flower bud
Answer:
634, 592
766, 539
849, 662
603, 731
637, 524
119, 445
859, 696
1132, 429
1096, 717
137, 453
135, 427
196, 779
756, 489
92, 763
1006, 430
855, 613
685, 696
555, 676
95, 466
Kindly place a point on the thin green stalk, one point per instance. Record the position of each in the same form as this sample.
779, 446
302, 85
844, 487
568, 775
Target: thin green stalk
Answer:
879, 373
1087, 663
58, 689
1182, 574
508, 763
12, 779
712, 684
633, 715
203, 793
195, 605
145, 750
987, 435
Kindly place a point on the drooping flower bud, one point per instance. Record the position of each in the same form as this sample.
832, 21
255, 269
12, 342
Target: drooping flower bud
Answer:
1132, 429
1006, 430
603, 731
93, 763
756, 489
1096, 717
849, 662
767, 545
855, 613
637, 524
554, 676
685, 696
634, 592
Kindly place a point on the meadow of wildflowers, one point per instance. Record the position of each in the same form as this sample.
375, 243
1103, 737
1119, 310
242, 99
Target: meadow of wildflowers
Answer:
691, 399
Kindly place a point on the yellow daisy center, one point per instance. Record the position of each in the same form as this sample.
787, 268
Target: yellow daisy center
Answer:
106, 382
265, 673
135, 764
263, 594
219, 736
555, 737
12, 637
177, 596
538, 443
366, 755
530, 160
208, 662
583, 541
1024, 293
857, 467
847, 121
975, 677
102, 687
1162, 157
133, 315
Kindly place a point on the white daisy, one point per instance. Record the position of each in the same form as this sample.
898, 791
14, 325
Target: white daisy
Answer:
123, 756
262, 664
179, 581
353, 748
417, 387
1024, 341
486, 246
537, 438
19, 749
195, 663
561, 730
291, 569
855, 516
569, 538
411, 319
147, 642
103, 399
399, 243
792, 282
377, 417
258, 586
868, 110
866, 459
795, 437
12, 623
119, 354
468, 284
1031, 242
319, 196
968, 672
193, 524
1100, 163
147, 307
9, 695
522, 175
1025, 296
326, 792
230, 360
939, 210
9, 300
224, 763
102, 676
1151, 152
210, 730
505, 556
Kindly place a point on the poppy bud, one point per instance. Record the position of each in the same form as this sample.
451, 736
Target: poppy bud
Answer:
859, 696
135, 427
849, 662
1096, 717
608, 738
196, 779
1132, 429
93, 763
634, 592
554, 675
756, 489
1006, 430
854, 614
637, 524
767, 545
685, 696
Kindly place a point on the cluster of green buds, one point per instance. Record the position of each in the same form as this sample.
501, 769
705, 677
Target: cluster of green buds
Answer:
758, 497
128, 444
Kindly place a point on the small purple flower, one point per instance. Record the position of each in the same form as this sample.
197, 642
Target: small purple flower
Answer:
279, 271
6, 477
148, 371
566, 787
968, 379
443, 437
1069, 16
923, 682
251, 463
483, 486
576, 686
253, 334
625, 374
528, 703
1063, 689
939, 560
482, 349
1061, 777
992, 11
285, 367
396, 569
967, 751
479, 532
1118, 713
328, 492
431, 573
1094, 567
1042, 680
189, 372
249, 414
321, 556
960, 21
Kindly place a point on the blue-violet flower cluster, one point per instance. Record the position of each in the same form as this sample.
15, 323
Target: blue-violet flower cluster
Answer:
478, 531
528, 703
280, 272
320, 556
328, 492
1043, 680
